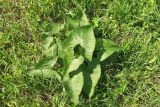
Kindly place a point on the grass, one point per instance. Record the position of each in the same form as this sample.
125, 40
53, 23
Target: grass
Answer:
131, 80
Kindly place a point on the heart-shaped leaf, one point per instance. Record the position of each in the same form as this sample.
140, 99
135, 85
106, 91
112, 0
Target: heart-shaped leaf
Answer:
84, 36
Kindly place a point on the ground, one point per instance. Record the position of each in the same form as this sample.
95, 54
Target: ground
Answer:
131, 80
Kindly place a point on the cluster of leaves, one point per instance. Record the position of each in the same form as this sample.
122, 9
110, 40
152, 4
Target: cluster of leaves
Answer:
75, 60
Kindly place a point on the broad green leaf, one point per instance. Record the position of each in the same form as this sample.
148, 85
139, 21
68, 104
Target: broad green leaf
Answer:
91, 77
46, 42
67, 55
50, 48
79, 19
75, 64
45, 73
52, 51
73, 86
68, 33
84, 36
46, 63
107, 48
54, 28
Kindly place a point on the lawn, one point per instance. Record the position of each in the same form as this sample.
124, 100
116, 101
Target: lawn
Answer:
131, 80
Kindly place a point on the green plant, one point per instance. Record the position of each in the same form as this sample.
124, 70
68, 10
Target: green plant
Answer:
74, 59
